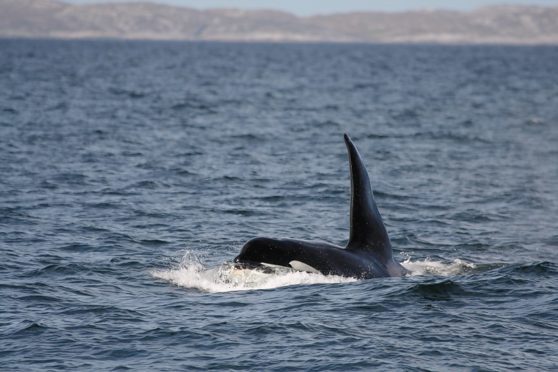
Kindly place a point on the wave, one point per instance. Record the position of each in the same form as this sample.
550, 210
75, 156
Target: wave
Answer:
440, 290
192, 274
431, 267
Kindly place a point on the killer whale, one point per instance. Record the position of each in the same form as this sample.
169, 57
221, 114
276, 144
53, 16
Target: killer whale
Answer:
368, 253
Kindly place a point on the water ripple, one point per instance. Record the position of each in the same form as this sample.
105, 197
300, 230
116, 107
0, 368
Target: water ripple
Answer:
133, 172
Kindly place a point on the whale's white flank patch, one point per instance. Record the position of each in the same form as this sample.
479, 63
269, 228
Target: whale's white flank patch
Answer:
301, 266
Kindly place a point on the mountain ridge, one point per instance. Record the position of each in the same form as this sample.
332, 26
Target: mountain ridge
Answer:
506, 24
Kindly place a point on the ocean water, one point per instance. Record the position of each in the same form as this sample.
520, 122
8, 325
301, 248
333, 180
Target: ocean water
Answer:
131, 174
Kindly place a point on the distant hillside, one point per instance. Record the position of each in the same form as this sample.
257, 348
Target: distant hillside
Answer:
498, 24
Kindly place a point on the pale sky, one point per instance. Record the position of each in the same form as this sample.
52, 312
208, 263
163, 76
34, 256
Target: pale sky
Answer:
309, 7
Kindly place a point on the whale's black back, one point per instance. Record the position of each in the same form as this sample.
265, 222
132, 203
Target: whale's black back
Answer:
367, 254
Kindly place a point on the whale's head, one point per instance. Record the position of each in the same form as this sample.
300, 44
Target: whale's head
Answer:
263, 250
254, 250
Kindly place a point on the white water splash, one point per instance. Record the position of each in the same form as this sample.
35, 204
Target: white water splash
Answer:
429, 267
226, 278
191, 273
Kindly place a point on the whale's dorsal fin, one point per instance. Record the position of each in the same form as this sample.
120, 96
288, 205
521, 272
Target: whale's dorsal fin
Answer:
368, 232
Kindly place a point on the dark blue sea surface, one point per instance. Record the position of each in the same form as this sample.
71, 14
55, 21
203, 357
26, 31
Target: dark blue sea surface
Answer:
131, 174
